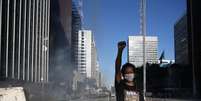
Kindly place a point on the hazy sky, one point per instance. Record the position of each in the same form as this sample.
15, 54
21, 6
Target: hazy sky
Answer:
114, 20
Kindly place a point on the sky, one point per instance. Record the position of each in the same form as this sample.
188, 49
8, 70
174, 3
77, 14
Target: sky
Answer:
114, 20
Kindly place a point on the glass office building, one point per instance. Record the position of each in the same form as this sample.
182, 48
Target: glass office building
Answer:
181, 41
76, 26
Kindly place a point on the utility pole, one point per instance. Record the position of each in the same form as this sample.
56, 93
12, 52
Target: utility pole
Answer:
143, 33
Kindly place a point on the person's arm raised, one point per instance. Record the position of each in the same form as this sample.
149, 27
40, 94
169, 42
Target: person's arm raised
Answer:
121, 46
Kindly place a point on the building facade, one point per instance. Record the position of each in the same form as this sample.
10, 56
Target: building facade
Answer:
84, 53
88, 64
95, 67
76, 26
87, 73
135, 49
60, 41
181, 41
194, 30
24, 40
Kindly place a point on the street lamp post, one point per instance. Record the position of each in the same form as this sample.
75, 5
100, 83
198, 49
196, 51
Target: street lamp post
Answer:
143, 33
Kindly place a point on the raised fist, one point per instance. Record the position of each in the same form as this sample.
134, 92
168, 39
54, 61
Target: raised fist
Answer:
121, 45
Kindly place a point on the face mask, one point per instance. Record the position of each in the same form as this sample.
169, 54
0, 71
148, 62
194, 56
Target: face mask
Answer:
129, 77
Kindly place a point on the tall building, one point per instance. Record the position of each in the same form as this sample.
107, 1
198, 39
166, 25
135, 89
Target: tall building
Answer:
94, 63
76, 26
24, 40
100, 81
87, 54
135, 49
194, 30
87, 61
84, 53
187, 42
60, 42
181, 41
